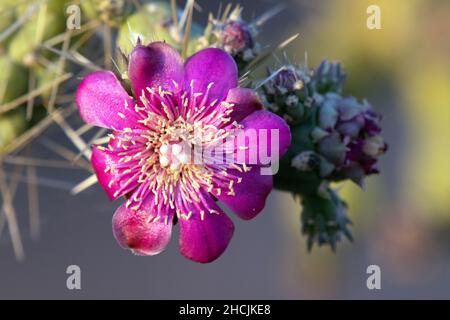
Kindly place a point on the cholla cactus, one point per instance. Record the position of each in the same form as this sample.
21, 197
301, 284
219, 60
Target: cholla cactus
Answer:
328, 77
324, 219
335, 138
38, 55
347, 136
289, 93
45, 22
13, 84
234, 35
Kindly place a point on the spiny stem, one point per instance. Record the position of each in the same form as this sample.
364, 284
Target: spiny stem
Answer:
100, 133
30, 102
35, 162
13, 184
72, 135
19, 142
11, 216
174, 13
187, 31
17, 102
88, 26
18, 23
59, 70
65, 154
85, 184
75, 57
107, 42
33, 201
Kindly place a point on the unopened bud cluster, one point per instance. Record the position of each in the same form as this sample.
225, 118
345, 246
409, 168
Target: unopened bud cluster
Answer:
288, 93
335, 138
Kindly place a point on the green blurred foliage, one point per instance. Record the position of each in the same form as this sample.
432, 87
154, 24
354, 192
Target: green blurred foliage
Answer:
43, 25
149, 24
13, 84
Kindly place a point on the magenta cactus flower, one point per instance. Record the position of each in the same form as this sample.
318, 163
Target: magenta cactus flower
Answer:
178, 107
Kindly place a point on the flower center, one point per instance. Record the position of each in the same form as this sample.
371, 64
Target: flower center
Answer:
160, 160
174, 155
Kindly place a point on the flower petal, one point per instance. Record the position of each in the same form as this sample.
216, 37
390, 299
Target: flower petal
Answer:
250, 194
140, 232
246, 101
102, 101
157, 64
215, 66
265, 137
205, 240
101, 160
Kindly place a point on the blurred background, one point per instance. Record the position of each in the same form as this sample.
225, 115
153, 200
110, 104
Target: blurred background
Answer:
401, 221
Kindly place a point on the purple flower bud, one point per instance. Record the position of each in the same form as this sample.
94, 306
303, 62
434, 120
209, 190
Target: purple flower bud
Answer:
349, 137
374, 146
328, 114
287, 80
329, 77
333, 148
351, 128
306, 161
236, 37
286, 93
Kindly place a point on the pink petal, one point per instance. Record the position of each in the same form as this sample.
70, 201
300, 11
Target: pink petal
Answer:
157, 64
250, 194
246, 101
139, 232
256, 137
102, 101
101, 160
205, 240
211, 66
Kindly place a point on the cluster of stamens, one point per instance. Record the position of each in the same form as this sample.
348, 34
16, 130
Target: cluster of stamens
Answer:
156, 159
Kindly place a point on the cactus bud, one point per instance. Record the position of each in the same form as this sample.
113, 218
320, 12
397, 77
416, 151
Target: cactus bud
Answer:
332, 148
349, 137
237, 38
287, 93
306, 161
328, 77
374, 146
234, 35
334, 138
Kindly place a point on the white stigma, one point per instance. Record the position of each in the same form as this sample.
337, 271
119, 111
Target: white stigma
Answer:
164, 161
183, 158
176, 149
164, 149
174, 156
